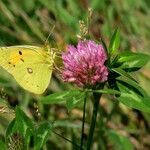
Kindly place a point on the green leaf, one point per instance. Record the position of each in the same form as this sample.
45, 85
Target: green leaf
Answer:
22, 124
114, 42
75, 100
123, 73
133, 100
41, 135
2, 145
120, 142
28, 135
11, 128
104, 46
13, 131
106, 91
107, 63
134, 84
59, 97
133, 60
146, 101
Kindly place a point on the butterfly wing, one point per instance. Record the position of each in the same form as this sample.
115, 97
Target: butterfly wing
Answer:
31, 66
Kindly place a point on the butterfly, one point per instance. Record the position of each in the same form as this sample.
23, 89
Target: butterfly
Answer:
31, 66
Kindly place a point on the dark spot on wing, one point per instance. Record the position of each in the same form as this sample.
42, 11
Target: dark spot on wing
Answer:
20, 53
13, 65
22, 59
9, 62
37, 86
30, 70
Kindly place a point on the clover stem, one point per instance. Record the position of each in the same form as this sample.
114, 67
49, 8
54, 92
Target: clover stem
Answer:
83, 122
93, 122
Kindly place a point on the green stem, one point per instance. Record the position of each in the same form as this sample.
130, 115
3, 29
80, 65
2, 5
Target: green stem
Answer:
101, 132
93, 122
77, 146
83, 121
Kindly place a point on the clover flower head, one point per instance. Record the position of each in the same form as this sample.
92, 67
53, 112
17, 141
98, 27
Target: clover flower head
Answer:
84, 64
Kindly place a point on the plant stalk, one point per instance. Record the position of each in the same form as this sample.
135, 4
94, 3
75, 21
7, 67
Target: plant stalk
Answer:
93, 122
83, 122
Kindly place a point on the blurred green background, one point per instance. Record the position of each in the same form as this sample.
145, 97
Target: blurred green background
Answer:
30, 21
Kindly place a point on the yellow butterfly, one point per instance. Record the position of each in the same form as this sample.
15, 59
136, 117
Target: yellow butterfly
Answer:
31, 66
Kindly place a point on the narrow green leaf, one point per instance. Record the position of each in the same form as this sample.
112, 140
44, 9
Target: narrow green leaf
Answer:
114, 42
106, 91
123, 73
74, 7
104, 46
76, 100
146, 101
64, 16
41, 135
59, 97
131, 60
114, 62
133, 100
120, 142
134, 85
28, 135
107, 52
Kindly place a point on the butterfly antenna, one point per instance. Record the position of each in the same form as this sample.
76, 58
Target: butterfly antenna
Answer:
50, 33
